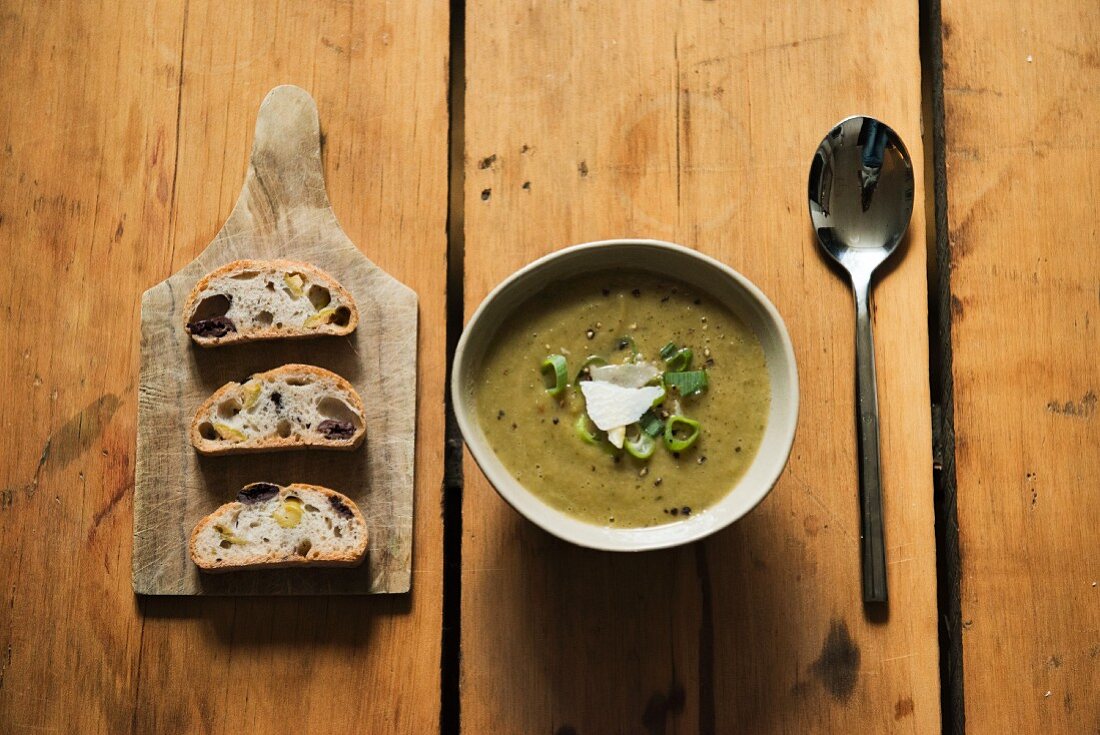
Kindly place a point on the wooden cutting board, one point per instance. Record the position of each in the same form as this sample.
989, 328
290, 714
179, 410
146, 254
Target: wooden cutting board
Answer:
283, 212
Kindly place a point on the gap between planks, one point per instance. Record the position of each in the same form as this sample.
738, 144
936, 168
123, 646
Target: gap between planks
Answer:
941, 383
451, 644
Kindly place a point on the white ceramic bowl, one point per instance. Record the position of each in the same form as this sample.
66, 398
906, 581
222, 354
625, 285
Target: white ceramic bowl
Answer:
719, 281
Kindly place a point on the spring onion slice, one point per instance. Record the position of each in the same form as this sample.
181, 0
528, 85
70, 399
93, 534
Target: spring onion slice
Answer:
668, 351
590, 361
680, 361
678, 443
651, 424
554, 366
686, 383
641, 446
584, 431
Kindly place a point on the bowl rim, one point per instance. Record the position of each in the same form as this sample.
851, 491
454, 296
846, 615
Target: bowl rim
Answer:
626, 539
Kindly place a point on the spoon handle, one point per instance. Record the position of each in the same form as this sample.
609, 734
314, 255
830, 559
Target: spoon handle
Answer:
873, 549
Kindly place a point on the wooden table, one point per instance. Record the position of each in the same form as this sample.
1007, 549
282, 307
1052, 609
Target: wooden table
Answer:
463, 141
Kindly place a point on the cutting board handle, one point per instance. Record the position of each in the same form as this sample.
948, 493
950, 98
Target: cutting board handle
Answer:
285, 165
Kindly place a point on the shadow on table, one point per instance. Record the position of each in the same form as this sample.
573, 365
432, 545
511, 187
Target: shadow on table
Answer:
343, 621
721, 631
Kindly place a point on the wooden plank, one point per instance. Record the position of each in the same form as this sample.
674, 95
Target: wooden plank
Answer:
696, 122
283, 213
1022, 113
124, 131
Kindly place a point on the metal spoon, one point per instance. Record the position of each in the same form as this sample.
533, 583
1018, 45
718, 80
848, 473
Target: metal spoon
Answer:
861, 198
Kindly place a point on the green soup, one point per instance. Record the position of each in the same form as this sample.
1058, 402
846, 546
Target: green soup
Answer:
622, 317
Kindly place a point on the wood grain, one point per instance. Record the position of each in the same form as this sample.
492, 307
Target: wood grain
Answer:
696, 122
125, 130
284, 213
1022, 113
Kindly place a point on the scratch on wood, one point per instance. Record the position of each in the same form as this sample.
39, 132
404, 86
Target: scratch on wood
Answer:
36, 728
327, 43
101, 514
1090, 59
1083, 409
351, 346
898, 658
42, 458
726, 59
140, 667
805, 486
4, 668
973, 90
7, 496
179, 126
679, 170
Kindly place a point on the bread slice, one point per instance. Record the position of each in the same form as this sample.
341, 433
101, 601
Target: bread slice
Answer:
249, 300
271, 526
290, 407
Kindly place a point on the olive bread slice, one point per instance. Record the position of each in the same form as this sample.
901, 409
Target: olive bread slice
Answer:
290, 407
249, 300
271, 526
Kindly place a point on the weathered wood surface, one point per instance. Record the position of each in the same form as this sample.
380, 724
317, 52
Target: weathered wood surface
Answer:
282, 213
695, 122
1022, 108
125, 131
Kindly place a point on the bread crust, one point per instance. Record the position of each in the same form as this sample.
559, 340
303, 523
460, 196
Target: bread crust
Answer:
272, 332
351, 558
276, 443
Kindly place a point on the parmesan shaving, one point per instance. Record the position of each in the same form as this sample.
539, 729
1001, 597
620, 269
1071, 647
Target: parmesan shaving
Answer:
617, 436
630, 375
612, 406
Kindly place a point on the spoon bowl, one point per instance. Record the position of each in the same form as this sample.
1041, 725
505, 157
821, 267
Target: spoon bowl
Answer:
861, 200
861, 192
